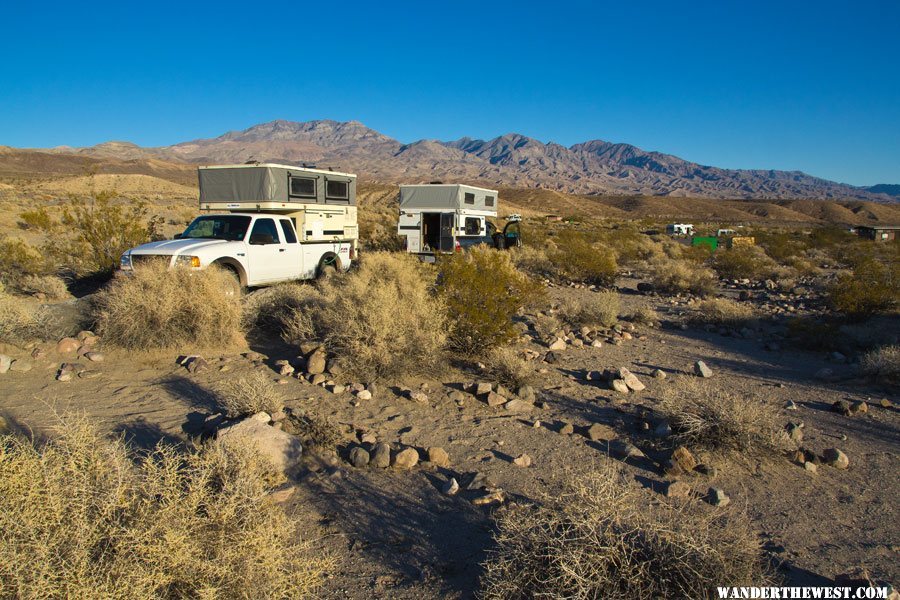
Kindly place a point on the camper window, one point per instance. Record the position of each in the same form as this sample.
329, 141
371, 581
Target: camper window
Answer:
337, 190
488, 200
473, 226
469, 198
289, 236
303, 187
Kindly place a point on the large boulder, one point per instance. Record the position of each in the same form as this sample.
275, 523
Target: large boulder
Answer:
281, 448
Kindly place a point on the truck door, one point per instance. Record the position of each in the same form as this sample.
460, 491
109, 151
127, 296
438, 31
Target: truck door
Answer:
447, 232
291, 256
265, 252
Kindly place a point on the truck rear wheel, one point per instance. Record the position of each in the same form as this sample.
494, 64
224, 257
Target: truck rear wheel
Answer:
327, 268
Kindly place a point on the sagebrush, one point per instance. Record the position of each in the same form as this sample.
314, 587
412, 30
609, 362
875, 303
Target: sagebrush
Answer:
81, 519
249, 395
178, 308
507, 367
596, 310
883, 364
723, 311
678, 276
600, 539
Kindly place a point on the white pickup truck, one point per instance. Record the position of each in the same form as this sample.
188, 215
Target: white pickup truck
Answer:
282, 223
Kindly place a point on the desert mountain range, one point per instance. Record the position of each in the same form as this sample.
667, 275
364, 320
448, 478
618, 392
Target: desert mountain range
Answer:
512, 160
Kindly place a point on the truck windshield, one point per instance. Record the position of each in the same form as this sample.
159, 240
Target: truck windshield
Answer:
218, 227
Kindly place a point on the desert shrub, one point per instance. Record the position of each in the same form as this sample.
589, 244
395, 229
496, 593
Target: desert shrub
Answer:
871, 288
630, 244
705, 415
675, 276
50, 285
532, 260
578, 259
92, 235
284, 309
383, 319
483, 290
750, 262
20, 319
546, 325
36, 219
595, 310
723, 311
313, 429
882, 363
249, 395
507, 367
156, 307
19, 259
600, 539
80, 519
644, 315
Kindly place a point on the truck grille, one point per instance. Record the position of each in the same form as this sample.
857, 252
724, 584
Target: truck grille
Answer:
140, 260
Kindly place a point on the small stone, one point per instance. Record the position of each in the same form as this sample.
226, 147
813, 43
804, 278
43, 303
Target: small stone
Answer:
338, 389
316, 362
684, 459
841, 407
718, 497
451, 488
795, 432
598, 432
790, 405
20, 366
557, 345
622, 450
438, 457
504, 392
659, 374
811, 467
885, 403
381, 456
701, 370
567, 429
859, 408
406, 459
64, 376
195, 364
359, 457
94, 356
420, 397
286, 370
67, 345
89, 374
518, 406
551, 358
368, 437
495, 399
318, 379
5, 363
364, 395
663, 430
526, 392
523, 460
634, 384
835, 458
619, 386
483, 388
678, 489
597, 343
708, 470
492, 497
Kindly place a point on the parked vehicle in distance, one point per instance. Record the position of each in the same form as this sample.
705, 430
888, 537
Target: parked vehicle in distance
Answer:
267, 224
440, 218
680, 229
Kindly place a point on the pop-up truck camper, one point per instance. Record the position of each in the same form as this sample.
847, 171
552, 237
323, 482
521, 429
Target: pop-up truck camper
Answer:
265, 223
441, 218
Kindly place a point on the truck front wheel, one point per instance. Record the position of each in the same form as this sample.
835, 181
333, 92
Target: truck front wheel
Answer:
233, 286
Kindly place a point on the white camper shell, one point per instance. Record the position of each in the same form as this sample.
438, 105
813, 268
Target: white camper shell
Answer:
437, 218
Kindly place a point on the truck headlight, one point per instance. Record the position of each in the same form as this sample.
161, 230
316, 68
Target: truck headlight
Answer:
125, 262
187, 261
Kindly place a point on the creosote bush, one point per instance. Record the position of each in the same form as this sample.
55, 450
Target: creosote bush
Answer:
81, 519
723, 311
283, 308
872, 287
50, 285
578, 259
158, 307
249, 395
382, 319
705, 415
741, 262
20, 319
600, 539
483, 290
596, 310
533, 260
882, 363
676, 276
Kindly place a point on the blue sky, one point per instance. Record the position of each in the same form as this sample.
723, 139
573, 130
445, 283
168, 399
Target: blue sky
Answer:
813, 86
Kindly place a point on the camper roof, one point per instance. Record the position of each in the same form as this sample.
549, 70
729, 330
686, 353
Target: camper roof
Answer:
265, 183
448, 196
278, 166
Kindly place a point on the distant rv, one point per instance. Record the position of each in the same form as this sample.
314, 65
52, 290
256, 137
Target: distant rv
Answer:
680, 229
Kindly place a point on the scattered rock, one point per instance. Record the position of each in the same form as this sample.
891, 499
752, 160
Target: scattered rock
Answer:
859, 408
598, 432
678, 489
701, 370
663, 430
634, 384
708, 470
790, 405
619, 385
795, 431
381, 456
841, 407
316, 362
523, 460
89, 374
285, 370
5, 363
835, 458
451, 487
492, 497
67, 345
567, 429
811, 467
684, 459
359, 457
495, 399
557, 345
20, 365
438, 457
318, 379
94, 356
718, 497
406, 459
551, 358
420, 397
622, 450
364, 395
283, 449
659, 374
518, 406
526, 392
195, 364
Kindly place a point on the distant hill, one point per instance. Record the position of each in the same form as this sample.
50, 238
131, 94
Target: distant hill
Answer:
514, 160
891, 189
